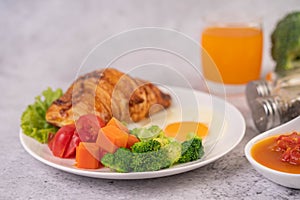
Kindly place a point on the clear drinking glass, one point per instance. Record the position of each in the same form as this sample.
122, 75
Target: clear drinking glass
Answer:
235, 45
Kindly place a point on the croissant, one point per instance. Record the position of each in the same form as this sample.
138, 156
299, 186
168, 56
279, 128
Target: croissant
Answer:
107, 93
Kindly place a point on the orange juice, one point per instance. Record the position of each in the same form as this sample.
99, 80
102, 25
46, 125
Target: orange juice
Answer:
236, 52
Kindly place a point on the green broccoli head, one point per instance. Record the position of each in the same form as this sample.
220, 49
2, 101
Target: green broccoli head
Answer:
172, 151
152, 155
148, 133
286, 42
119, 161
191, 150
146, 146
150, 161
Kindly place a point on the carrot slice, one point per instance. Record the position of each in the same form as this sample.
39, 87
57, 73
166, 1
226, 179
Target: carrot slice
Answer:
114, 122
105, 143
87, 155
110, 137
131, 140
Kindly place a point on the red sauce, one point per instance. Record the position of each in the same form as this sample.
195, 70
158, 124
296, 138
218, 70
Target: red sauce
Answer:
281, 153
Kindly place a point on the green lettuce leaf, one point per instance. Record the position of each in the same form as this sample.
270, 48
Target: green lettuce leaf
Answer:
33, 121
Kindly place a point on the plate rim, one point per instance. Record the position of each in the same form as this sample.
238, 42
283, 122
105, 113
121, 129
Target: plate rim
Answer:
181, 168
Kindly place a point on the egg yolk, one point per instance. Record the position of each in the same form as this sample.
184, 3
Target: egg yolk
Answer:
180, 130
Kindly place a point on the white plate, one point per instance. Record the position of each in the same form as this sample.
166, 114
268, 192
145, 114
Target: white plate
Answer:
226, 130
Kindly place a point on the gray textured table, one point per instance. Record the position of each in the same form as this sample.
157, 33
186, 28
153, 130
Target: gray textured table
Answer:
43, 43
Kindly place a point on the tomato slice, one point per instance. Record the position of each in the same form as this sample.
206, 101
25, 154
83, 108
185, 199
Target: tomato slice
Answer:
63, 144
50, 140
88, 127
71, 149
62, 140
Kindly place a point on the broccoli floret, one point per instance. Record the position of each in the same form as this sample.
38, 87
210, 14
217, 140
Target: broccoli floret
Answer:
148, 133
164, 140
145, 146
119, 161
286, 43
147, 155
191, 150
152, 155
173, 151
150, 161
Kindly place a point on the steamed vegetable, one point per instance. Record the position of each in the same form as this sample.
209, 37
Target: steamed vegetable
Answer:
132, 139
191, 149
153, 152
148, 133
120, 128
165, 157
120, 161
146, 146
33, 122
87, 155
111, 137
286, 43
115, 135
114, 122
124, 160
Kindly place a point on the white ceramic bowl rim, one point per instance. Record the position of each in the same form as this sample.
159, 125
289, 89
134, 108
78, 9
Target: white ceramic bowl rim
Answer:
262, 136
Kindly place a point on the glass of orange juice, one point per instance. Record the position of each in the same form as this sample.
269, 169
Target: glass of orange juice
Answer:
236, 50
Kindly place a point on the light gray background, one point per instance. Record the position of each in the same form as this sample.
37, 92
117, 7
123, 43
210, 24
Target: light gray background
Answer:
42, 43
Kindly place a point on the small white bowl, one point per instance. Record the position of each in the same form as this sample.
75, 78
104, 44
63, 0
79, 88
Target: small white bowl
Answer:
281, 178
